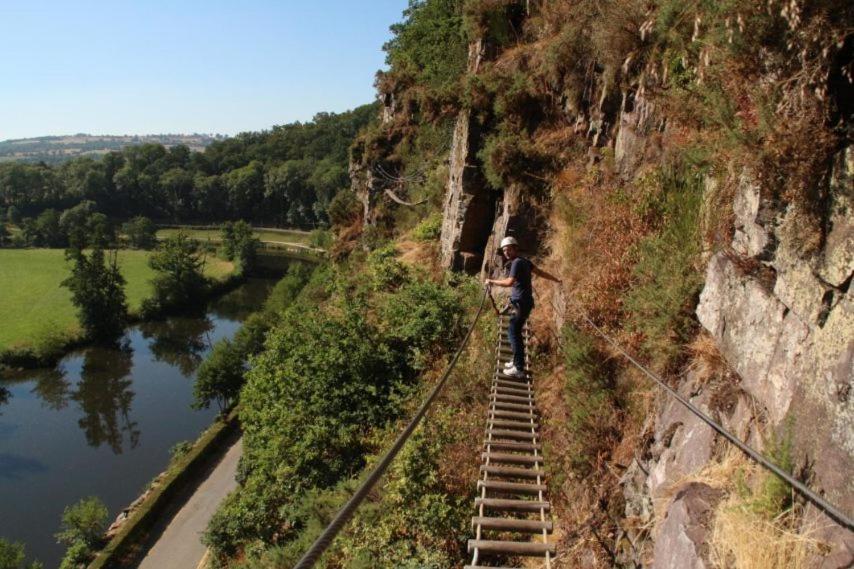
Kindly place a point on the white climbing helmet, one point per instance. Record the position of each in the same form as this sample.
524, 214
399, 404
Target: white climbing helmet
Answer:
509, 241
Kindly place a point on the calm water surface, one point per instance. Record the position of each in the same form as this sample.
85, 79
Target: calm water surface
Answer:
102, 422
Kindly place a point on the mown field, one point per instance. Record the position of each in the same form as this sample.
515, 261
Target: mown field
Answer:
282, 236
34, 304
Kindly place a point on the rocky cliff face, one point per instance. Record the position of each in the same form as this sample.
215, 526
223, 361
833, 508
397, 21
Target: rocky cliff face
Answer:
469, 206
785, 324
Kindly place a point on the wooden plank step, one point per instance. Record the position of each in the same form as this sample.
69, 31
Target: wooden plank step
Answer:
511, 524
503, 389
513, 445
511, 505
493, 404
511, 487
511, 398
514, 435
512, 472
523, 416
488, 567
511, 547
518, 425
512, 384
510, 458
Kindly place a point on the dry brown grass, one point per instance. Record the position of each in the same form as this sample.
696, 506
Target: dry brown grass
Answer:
741, 536
595, 231
707, 362
421, 255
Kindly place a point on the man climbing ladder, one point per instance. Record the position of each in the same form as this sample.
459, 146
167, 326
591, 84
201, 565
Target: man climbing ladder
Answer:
521, 298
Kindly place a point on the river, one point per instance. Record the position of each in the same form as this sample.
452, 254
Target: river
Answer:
101, 422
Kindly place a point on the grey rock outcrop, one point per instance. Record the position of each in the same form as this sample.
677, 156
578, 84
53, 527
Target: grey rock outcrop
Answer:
469, 208
682, 538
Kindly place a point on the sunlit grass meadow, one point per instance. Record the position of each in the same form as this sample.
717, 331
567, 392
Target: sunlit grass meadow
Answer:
33, 304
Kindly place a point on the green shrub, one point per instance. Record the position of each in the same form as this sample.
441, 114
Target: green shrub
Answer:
12, 556
344, 209
321, 238
220, 376
420, 318
83, 522
429, 229
77, 555
288, 287
309, 400
179, 450
667, 279
590, 398
773, 495
385, 271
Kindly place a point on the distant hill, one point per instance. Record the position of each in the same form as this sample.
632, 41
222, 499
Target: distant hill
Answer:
56, 149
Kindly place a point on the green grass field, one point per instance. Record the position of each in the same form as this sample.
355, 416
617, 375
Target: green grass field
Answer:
300, 237
33, 304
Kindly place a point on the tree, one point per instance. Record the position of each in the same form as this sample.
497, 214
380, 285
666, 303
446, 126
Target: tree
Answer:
141, 233
97, 290
73, 223
83, 522
179, 281
13, 214
4, 234
240, 244
82, 527
12, 556
102, 233
47, 230
220, 376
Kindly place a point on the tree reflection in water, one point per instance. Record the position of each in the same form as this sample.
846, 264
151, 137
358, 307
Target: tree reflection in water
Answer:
53, 388
180, 342
105, 397
4, 396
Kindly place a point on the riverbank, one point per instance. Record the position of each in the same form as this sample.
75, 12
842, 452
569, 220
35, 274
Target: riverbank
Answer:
40, 322
102, 422
143, 521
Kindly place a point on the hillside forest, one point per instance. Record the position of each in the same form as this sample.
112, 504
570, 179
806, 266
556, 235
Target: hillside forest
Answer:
284, 177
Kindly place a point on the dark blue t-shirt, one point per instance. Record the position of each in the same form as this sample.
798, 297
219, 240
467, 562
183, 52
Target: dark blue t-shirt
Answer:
520, 269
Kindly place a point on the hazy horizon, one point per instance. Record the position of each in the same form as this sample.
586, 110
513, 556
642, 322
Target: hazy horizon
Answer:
196, 68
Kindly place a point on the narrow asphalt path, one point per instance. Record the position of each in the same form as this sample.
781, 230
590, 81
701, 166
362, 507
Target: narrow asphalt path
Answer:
180, 545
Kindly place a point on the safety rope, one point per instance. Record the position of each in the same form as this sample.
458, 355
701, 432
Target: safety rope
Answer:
346, 512
832, 511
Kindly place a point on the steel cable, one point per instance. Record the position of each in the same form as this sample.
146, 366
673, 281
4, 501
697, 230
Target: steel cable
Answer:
325, 539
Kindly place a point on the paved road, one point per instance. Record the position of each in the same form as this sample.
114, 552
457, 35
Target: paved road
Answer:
180, 547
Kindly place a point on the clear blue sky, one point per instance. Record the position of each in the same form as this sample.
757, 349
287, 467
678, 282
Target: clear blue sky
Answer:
157, 66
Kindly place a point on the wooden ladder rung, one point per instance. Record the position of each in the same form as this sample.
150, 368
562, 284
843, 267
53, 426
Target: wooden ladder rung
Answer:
512, 406
512, 398
513, 384
509, 458
512, 472
512, 547
512, 414
512, 505
511, 487
511, 524
500, 389
519, 425
513, 445
514, 435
